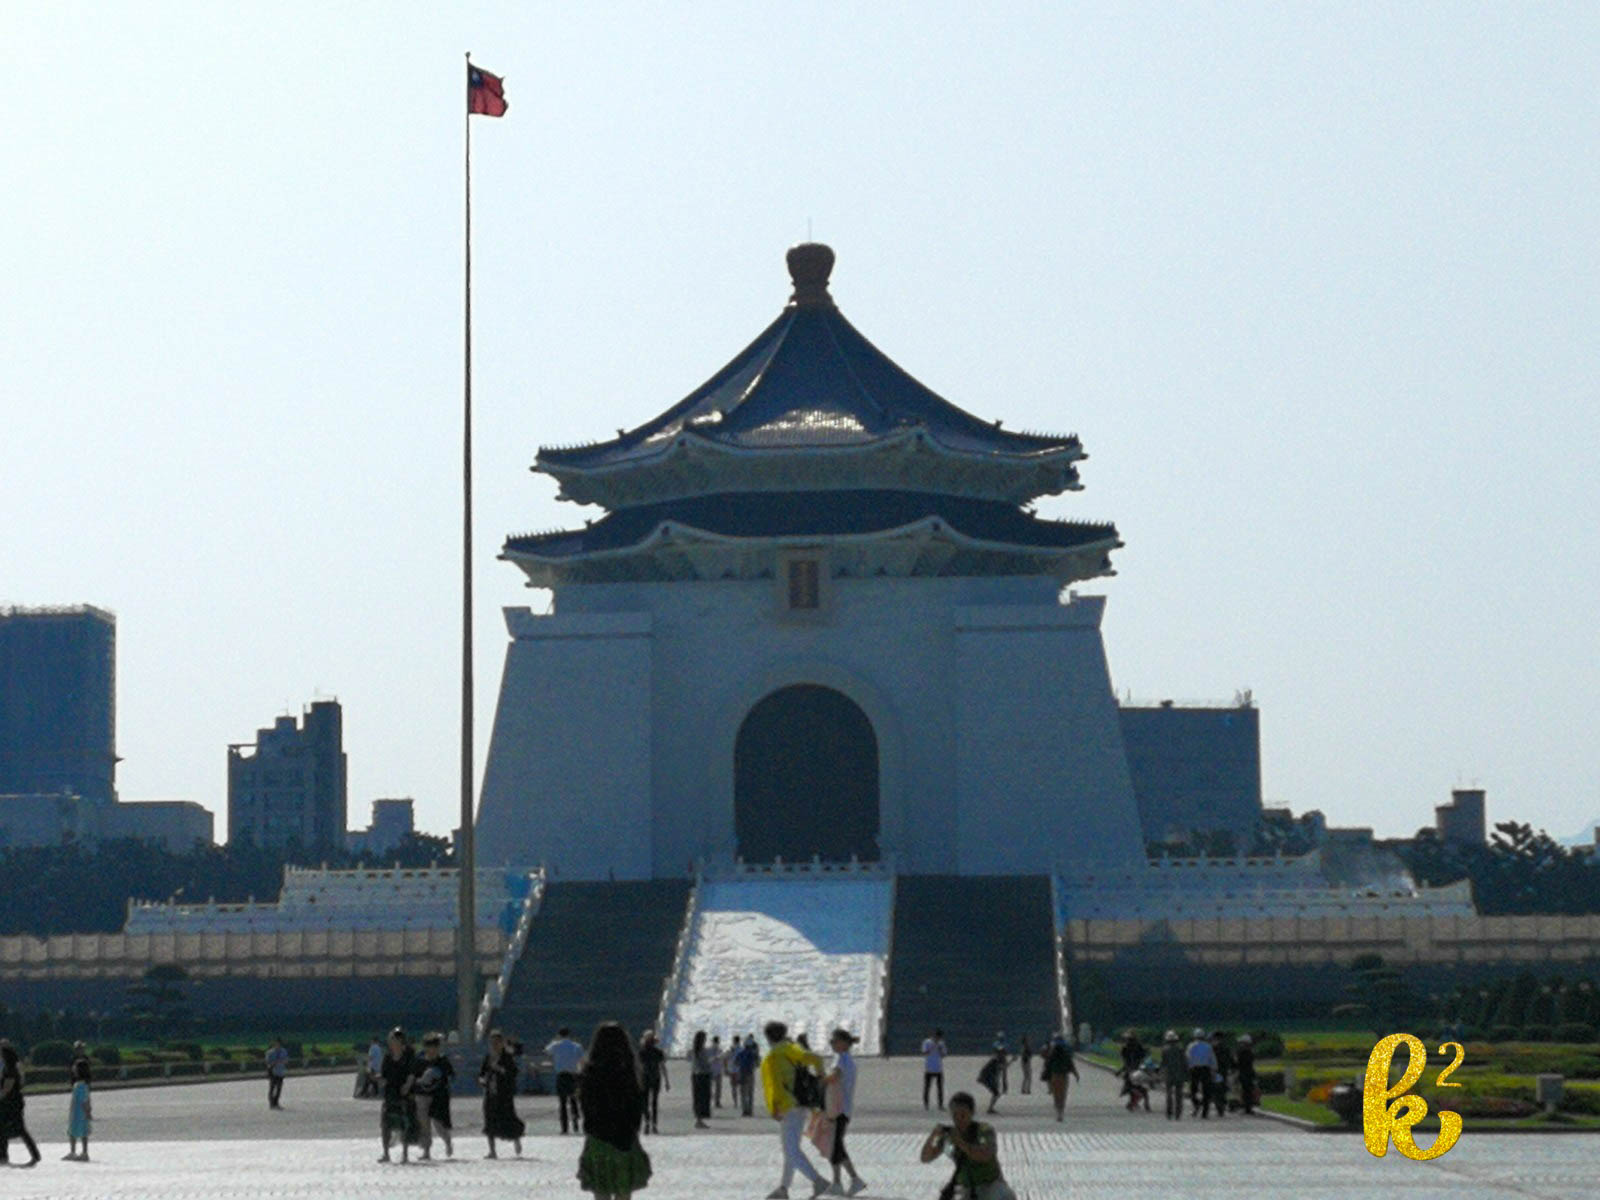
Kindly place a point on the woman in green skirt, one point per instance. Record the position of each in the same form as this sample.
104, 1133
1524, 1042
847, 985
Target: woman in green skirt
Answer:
613, 1165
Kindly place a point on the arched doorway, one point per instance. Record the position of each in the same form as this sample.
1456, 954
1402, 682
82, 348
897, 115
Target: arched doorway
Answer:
805, 778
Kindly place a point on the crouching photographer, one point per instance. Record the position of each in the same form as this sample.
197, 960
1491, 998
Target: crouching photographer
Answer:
971, 1146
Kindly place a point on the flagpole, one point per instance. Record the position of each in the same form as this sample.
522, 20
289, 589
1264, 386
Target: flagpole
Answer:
466, 857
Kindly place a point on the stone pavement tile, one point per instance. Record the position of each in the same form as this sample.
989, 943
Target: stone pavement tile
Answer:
1196, 1164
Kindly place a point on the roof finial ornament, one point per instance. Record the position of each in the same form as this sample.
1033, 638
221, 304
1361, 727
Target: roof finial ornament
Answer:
810, 264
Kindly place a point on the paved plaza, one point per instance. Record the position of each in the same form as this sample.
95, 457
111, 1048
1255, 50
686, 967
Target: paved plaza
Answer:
219, 1140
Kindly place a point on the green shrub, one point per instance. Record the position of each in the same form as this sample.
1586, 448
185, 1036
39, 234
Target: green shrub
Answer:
1576, 1033
1585, 1101
1270, 1082
1538, 1033
107, 1055
1503, 1033
51, 1054
1267, 1045
218, 1053
184, 1050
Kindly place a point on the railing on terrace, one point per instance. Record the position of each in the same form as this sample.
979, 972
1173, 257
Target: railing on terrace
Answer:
810, 869
308, 953
495, 993
671, 990
1058, 940
878, 1002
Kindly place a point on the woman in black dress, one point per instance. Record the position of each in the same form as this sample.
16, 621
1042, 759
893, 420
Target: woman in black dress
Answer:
613, 1165
399, 1113
11, 1104
498, 1077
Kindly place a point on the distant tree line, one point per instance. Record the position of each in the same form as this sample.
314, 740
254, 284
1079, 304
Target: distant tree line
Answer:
1518, 872
79, 888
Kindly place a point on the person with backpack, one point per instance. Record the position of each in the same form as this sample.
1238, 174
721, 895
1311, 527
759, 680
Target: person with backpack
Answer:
277, 1068
993, 1073
748, 1062
787, 1096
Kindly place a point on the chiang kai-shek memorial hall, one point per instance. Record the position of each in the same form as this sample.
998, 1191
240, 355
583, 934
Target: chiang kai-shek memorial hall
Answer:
819, 619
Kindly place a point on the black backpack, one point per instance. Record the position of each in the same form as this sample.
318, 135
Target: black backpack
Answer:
807, 1088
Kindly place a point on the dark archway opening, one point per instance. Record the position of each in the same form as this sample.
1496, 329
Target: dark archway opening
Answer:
805, 778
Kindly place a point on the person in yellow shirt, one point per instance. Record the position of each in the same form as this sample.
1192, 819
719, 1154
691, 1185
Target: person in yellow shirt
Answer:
778, 1068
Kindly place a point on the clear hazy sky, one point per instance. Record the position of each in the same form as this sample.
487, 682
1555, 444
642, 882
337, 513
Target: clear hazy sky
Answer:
1317, 286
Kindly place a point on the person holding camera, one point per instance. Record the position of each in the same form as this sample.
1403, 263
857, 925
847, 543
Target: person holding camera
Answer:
972, 1147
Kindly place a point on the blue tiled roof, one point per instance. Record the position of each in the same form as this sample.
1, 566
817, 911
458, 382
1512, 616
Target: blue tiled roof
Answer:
818, 514
809, 380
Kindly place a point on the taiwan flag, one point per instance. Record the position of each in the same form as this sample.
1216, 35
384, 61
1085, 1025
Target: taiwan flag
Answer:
486, 93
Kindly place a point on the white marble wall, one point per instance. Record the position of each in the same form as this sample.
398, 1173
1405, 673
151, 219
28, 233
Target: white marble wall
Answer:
999, 748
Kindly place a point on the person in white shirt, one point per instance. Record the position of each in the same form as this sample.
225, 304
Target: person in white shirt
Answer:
719, 1060
1202, 1061
566, 1057
840, 1086
933, 1052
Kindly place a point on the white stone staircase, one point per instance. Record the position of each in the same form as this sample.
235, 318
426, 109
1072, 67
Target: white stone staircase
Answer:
809, 948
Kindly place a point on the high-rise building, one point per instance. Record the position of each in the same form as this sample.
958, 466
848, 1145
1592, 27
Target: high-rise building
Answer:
58, 715
289, 787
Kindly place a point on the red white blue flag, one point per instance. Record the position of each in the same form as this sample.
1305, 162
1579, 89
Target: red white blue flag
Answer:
486, 93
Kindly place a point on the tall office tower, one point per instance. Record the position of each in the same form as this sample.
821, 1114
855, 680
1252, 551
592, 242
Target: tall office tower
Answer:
58, 714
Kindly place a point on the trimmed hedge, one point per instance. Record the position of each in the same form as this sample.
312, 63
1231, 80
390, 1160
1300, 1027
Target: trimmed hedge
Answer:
1576, 1033
1581, 1100
51, 1054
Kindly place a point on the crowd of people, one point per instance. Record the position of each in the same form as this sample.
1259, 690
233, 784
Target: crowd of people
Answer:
610, 1092
1209, 1067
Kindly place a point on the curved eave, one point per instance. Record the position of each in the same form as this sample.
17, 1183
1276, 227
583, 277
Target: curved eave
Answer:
691, 463
1070, 563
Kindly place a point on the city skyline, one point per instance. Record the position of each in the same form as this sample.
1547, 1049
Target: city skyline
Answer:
1315, 288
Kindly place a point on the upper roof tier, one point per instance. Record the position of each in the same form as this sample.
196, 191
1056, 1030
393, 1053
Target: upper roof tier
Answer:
812, 404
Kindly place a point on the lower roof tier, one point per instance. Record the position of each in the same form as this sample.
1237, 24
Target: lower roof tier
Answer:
865, 533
